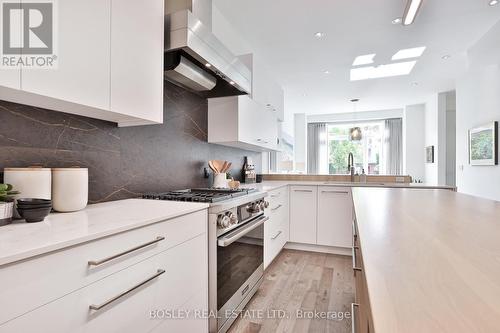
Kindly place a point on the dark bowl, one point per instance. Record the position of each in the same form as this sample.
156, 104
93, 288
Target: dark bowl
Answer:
33, 201
34, 215
25, 206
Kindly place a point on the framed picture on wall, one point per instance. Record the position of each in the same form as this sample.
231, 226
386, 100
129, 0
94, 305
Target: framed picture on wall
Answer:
429, 154
483, 144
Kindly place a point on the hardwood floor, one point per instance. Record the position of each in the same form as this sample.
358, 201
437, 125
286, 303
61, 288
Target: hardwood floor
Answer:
301, 281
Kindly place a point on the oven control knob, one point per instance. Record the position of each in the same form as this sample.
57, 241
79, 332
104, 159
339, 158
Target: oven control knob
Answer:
232, 218
223, 221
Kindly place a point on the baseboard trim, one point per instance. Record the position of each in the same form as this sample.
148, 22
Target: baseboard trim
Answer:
319, 248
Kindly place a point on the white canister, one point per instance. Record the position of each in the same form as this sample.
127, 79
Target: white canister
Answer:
32, 182
220, 180
70, 189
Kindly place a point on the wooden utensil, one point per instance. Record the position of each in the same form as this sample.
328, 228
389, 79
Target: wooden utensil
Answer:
228, 166
224, 167
218, 165
212, 166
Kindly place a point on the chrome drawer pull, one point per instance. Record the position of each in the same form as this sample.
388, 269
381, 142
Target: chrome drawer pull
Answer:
128, 291
354, 235
275, 195
309, 191
354, 259
353, 316
277, 207
102, 261
277, 235
340, 192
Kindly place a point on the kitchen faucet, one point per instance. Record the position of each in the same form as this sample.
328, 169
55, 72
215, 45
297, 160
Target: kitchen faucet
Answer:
350, 165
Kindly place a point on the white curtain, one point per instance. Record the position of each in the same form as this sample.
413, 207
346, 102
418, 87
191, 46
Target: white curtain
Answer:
317, 148
393, 146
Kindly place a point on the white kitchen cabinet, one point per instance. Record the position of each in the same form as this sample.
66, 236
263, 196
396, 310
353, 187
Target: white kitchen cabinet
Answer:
109, 63
303, 214
335, 216
137, 58
276, 229
163, 282
83, 52
239, 121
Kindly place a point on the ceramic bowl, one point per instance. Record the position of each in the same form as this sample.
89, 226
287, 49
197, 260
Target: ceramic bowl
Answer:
34, 214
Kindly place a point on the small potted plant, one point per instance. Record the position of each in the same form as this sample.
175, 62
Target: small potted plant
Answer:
6, 203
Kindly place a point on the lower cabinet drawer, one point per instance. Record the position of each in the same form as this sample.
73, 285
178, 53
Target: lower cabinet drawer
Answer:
43, 279
165, 281
191, 321
274, 240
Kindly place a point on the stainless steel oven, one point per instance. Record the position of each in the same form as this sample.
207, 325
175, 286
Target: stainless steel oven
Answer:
237, 260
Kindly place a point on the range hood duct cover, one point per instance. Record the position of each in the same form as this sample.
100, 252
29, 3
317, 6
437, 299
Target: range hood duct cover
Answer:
182, 72
188, 28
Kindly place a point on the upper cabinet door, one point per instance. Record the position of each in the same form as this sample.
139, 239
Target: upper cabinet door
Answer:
137, 58
82, 35
10, 77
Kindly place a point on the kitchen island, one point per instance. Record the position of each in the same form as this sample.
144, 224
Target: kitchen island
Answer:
430, 260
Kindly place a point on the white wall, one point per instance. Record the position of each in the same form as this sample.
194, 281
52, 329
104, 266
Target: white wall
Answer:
435, 135
300, 143
478, 102
414, 141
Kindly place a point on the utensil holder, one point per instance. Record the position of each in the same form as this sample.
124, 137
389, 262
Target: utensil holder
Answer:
220, 180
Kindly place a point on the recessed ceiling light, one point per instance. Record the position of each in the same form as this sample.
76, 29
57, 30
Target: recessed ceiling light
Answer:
231, 82
493, 2
326, 72
208, 65
409, 53
397, 20
372, 72
364, 59
411, 11
446, 57
319, 34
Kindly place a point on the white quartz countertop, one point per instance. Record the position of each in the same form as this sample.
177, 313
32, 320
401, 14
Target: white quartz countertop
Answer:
21, 240
270, 185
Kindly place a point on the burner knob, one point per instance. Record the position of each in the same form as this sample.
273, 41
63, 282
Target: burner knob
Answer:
253, 208
263, 204
232, 218
223, 221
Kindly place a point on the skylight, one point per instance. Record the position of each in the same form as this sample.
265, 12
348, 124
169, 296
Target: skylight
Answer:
409, 53
364, 59
372, 72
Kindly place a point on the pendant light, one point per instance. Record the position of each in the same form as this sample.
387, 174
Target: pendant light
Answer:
355, 132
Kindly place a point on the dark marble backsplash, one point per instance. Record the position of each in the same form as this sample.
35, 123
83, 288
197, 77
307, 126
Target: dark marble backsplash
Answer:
123, 162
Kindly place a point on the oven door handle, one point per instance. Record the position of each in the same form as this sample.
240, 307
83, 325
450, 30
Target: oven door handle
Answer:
237, 234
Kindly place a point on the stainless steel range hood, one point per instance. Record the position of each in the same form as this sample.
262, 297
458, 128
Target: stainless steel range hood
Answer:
188, 34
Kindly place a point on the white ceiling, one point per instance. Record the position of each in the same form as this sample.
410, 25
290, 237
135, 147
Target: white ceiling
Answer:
282, 32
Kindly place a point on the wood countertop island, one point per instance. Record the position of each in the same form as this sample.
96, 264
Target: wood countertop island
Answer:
430, 260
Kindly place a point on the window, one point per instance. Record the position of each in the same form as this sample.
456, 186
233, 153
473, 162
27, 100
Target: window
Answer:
367, 151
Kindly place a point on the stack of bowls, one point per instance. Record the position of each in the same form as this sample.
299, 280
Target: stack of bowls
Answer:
34, 210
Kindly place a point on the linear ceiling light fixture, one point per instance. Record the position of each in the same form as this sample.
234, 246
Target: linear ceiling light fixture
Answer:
411, 11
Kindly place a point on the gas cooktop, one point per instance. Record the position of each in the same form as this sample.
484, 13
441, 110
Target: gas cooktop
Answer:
200, 194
